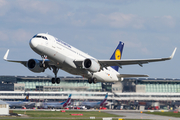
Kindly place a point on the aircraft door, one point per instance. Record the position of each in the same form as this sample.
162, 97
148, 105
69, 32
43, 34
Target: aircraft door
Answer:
53, 43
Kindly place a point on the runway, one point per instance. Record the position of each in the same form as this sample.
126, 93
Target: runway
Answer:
138, 115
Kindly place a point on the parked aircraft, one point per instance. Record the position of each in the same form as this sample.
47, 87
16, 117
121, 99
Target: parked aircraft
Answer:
56, 54
64, 104
98, 104
14, 104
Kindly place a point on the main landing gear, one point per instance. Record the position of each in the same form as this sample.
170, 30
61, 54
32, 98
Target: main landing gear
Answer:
55, 80
92, 80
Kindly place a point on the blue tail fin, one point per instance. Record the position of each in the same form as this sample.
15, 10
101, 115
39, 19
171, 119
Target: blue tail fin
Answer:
26, 98
117, 54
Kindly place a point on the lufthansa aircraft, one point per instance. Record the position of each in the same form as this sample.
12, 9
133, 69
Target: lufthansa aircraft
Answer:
14, 104
56, 54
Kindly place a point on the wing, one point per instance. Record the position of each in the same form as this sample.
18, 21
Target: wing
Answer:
120, 63
6, 55
47, 62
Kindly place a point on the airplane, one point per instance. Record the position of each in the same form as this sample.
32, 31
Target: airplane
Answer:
64, 104
56, 54
98, 104
14, 104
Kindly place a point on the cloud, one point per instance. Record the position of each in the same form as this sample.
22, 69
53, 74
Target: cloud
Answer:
15, 36
161, 23
2, 3
119, 20
4, 36
76, 19
4, 7
169, 21
31, 11
42, 7
133, 44
21, 35
139, 46
166, 20
64, 14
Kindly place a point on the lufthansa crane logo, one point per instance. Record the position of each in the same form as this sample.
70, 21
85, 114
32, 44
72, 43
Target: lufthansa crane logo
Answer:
118, 54
27, 97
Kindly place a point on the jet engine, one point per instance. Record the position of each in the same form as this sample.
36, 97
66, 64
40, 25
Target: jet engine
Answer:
35, 66
91, 65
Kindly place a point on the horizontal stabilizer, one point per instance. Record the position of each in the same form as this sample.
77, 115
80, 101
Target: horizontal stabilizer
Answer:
130, 75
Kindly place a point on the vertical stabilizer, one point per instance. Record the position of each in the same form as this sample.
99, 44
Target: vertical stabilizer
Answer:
26, 98
117, 54
68, 102
104, 102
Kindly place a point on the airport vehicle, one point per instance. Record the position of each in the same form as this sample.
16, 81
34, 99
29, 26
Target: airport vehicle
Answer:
56, 54
15, 104
64, 104
98, 104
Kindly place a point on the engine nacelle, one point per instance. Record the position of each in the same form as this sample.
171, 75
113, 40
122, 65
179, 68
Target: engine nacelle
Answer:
91, 65
35, 66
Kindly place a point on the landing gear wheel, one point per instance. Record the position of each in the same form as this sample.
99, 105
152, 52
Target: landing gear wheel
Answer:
53, 80
94, 80
90, 80
58, 80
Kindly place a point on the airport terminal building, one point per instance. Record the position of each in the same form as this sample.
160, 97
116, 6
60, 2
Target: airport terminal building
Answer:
130, 89
134, 85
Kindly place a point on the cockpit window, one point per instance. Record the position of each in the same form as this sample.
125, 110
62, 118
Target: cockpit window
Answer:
39, 36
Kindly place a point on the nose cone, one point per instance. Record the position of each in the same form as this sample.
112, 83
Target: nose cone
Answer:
33, 43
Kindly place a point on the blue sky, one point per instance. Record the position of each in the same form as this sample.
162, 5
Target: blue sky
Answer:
149, 29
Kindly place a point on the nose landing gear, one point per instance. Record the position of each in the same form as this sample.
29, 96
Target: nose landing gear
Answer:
43, 61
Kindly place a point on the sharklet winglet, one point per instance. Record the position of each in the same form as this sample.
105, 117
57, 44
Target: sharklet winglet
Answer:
6, 55
173, 53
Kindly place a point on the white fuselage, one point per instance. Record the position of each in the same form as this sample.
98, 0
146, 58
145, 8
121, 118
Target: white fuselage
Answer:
93, 104
63, 56
17, 103
53, 105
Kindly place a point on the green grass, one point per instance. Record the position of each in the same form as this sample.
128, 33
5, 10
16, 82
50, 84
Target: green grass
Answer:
62, 119
66, 114
170, 114
55, 115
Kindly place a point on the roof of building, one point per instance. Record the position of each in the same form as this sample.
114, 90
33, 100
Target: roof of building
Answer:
9, 78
